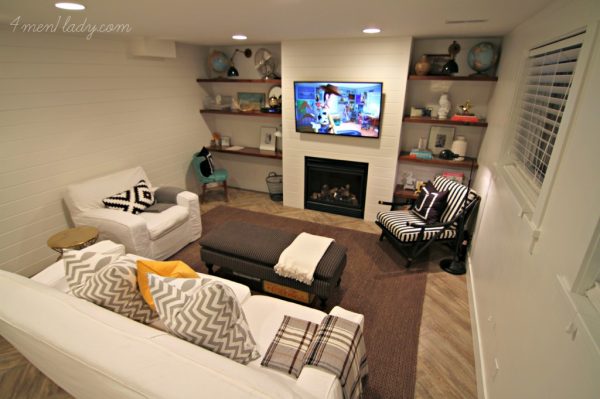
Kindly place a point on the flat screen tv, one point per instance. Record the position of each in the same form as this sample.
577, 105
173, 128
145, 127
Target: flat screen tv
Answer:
338, 108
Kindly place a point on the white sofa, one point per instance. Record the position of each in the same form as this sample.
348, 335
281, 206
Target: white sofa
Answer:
152, 235
94, 353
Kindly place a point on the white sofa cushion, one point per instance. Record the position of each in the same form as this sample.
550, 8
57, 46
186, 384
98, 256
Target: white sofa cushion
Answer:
107, 281
160, 224
209, 317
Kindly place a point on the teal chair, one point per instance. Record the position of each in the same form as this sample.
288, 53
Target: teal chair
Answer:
219, 176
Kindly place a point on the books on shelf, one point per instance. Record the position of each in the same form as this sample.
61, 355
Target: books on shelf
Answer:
420, 154
458, 177
465, 118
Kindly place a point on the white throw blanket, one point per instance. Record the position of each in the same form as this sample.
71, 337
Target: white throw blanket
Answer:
299, 261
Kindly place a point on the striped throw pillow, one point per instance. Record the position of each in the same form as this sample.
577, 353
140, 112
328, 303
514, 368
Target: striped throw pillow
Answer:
109, 281
210, 317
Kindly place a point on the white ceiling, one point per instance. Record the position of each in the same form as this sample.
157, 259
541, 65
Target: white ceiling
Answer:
271, 21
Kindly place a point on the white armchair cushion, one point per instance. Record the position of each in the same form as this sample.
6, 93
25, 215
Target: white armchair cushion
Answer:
89, 194
159, 224
153, 236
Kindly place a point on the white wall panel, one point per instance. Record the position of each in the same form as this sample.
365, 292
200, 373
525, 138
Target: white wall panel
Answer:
72, 109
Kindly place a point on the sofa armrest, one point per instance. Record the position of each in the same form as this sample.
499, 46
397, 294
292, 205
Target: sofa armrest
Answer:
122, 227
191, 202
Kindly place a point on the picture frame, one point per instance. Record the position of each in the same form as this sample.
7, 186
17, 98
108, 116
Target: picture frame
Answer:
225, 141
440, 138
437, 61
251, 102
267, 138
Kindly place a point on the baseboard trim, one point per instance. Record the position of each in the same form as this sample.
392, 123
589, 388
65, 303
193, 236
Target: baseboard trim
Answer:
475, 332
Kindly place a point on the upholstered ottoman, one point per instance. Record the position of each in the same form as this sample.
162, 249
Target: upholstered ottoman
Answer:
252, 251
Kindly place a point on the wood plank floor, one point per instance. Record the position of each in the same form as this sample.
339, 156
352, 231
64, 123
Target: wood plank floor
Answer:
445, 365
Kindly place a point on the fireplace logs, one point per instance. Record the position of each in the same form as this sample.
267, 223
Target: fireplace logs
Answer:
335, 194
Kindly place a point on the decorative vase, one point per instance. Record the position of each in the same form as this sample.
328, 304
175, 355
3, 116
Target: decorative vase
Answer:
459, 147
445, 106
423, 66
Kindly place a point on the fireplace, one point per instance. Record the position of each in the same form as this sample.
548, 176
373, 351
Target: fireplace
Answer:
335, 186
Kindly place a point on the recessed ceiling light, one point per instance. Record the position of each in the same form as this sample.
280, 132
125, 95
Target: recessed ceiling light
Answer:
239, 37
70, 6
371, 30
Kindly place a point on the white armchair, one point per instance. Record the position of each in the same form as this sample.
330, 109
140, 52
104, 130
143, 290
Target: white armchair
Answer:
151, 235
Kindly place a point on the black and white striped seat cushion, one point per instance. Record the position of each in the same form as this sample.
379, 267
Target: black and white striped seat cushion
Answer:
396, 223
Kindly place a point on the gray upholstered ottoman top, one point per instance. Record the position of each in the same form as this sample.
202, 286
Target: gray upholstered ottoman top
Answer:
264, 245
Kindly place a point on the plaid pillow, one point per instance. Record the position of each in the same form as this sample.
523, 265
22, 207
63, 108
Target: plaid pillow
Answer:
289, 346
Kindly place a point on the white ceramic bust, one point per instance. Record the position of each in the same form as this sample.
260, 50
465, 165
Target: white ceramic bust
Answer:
444, 106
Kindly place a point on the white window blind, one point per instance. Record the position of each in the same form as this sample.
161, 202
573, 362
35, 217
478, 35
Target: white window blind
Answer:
545, 91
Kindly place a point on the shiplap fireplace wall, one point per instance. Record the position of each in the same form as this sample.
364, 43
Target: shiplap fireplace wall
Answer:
369, 60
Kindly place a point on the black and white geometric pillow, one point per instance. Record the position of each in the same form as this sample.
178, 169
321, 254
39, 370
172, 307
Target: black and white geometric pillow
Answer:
210, 317
134, 200
431, 203
109, 281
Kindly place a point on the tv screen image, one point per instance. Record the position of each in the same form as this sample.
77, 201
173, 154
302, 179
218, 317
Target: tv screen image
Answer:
339, 108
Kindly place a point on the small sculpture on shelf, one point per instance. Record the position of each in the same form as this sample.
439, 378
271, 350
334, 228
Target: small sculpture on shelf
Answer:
464, 113
409, 181
445, 106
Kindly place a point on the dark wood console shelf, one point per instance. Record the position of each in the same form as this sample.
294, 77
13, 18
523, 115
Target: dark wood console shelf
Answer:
435, 121
437, 161
225, 80
399, 192
240, 113
456, 78
251, 152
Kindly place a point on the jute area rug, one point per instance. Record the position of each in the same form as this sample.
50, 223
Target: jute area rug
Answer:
375, 283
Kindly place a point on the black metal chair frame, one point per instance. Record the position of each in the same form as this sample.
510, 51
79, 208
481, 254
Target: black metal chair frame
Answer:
412, 249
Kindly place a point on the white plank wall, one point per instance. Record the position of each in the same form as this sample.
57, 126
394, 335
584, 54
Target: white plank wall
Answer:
72, 109
369, 60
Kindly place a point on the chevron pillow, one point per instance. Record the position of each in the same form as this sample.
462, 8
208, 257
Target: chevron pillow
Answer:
134, 200
109, 281
210, 318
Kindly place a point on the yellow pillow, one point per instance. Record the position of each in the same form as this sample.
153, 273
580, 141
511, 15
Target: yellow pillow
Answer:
175, 268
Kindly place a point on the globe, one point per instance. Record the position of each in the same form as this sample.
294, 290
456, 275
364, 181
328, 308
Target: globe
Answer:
482, 57
218, 61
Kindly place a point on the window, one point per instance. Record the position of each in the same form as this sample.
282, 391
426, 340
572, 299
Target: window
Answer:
540, 121
544, 93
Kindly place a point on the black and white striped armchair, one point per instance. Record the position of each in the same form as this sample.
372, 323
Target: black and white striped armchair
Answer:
410, 235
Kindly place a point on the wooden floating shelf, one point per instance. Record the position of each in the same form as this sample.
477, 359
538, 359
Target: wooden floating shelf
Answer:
437, 161
456, 78
435, 121
240, 113
251, 152
225, 80
399, 192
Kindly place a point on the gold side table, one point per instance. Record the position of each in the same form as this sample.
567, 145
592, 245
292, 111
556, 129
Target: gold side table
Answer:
75, 238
